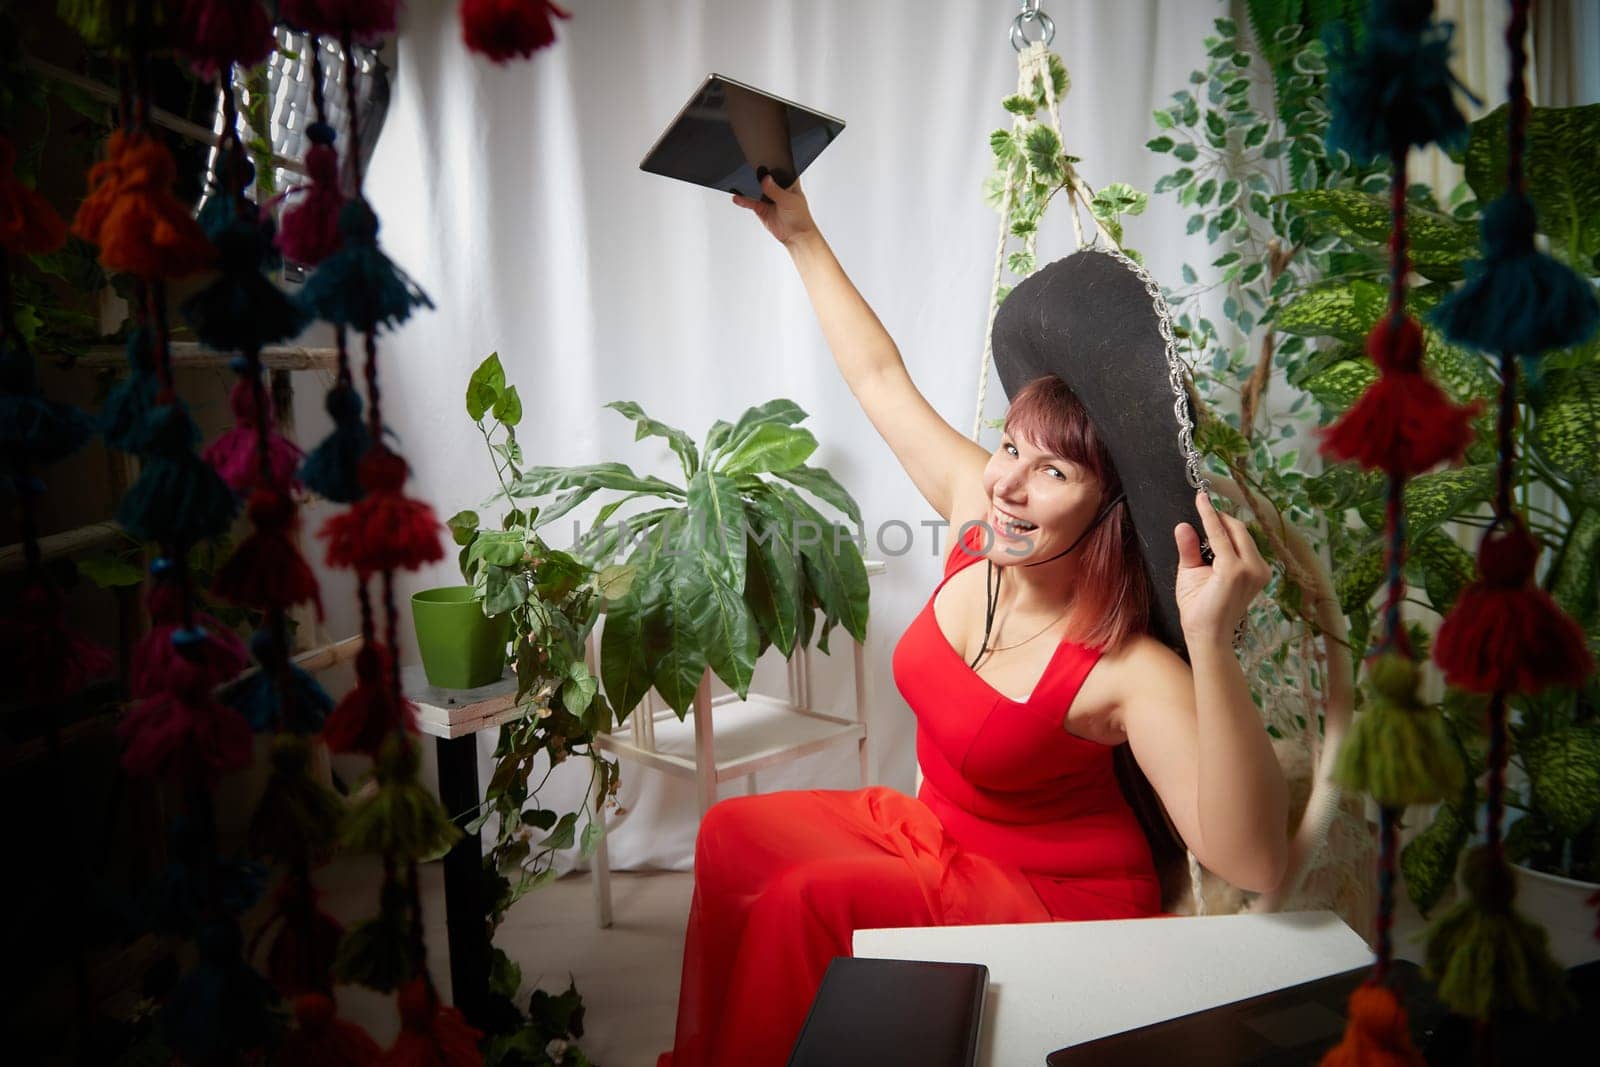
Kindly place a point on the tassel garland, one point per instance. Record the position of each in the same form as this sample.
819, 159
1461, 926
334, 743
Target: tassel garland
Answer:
308, 231
432, 1034
1399, 750
506, 29
385, 530
322, 1039
1504, 633
1403, 424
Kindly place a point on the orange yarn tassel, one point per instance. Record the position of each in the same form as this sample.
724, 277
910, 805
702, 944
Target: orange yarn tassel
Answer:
1377, 1034
28, 224
105, 179
143, 230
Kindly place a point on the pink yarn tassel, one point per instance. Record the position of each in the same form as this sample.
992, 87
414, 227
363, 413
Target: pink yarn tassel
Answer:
217, 33
192, 738
234, 454
309, 230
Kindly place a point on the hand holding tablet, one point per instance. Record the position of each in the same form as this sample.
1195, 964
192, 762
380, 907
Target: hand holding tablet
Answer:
729, 134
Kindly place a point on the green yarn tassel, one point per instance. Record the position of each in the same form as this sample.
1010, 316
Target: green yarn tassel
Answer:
1485, 957
402, 820
378, 952
1399, 750
298, 817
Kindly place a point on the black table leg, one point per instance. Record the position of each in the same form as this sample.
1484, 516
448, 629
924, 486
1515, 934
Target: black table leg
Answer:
466, 911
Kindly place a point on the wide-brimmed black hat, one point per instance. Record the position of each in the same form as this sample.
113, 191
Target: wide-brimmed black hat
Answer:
1097, 320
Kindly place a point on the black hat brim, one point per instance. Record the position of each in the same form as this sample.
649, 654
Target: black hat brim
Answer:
1098, 322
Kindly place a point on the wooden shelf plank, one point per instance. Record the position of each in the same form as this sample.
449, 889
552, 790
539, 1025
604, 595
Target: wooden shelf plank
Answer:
191, 355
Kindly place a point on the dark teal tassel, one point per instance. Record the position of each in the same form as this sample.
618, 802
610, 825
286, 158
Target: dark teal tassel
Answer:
243, 311
332, 468
223, 1007
43, 430
260, 700
197, 880
1516, 298
178, 498
32, 426
1396, 90
358, 286
127, 406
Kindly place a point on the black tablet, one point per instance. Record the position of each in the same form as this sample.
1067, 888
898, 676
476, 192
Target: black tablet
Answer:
727, 132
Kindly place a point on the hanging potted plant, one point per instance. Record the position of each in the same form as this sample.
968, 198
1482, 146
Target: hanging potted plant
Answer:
733, 561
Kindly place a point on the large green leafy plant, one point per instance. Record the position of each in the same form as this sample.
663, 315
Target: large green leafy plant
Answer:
734, 560
1302, 279
553, 600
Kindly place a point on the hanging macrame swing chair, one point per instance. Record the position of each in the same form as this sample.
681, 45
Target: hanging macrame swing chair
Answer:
1098, 320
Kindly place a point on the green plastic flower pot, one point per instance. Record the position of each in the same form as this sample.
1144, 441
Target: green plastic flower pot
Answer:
461, 649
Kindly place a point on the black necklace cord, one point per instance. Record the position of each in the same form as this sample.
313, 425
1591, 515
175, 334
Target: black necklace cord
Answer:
992, 580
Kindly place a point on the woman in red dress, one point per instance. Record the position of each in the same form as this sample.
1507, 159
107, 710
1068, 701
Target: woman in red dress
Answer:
1027, 676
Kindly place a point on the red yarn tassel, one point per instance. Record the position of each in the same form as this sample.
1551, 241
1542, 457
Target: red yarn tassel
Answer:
29, 225
369, 712
300, 958
146, 230
364, 19
215, 34
105, 179
1377, 1034
323, 1039
432, 1033
384, 530
177, 735
196, 666
506, 29
267, 570
236, 454
308, 232
1504, 633
43, 657
1403, 424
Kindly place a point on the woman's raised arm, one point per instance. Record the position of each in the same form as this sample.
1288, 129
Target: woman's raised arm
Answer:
941, 462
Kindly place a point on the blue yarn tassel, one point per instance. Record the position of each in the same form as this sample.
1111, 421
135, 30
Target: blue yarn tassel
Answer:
197, 880
223, 1007
178, 498
259, 699
358, 286
243, 311
126, 411
332, 468
41, 430
1517, 298
1396, 90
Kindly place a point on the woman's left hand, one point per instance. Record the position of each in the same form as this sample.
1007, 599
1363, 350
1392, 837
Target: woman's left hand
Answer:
1212, 599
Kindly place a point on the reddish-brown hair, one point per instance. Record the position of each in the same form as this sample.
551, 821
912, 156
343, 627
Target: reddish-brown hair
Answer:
1113, 597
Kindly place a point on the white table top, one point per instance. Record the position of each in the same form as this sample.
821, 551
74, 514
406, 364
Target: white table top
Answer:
1058, 984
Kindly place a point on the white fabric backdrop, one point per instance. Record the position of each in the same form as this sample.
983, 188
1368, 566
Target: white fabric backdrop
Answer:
514, 196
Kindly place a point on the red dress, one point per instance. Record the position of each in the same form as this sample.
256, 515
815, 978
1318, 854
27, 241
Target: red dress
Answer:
1017, 821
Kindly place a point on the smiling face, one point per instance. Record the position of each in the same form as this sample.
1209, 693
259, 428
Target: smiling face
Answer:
1039, 501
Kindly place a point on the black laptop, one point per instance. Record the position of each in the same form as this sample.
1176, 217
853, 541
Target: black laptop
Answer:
1298, 1024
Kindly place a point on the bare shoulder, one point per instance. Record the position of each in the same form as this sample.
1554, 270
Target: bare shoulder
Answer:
1146, 674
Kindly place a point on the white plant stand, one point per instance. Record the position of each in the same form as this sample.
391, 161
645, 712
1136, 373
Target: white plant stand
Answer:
724, 738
